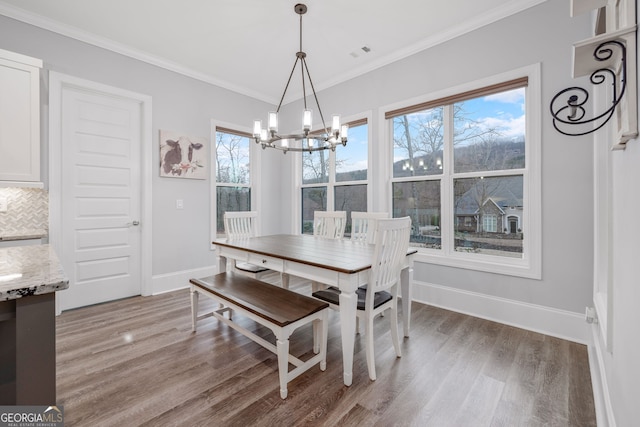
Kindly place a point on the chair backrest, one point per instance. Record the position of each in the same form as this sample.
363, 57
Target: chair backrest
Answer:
329, 225
241, 224
363, 225
391, 244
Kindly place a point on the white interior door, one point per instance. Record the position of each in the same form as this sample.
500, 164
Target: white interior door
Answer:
100, 142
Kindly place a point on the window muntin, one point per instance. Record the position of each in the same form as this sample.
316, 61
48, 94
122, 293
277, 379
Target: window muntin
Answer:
477, 136
233, 177
336, 180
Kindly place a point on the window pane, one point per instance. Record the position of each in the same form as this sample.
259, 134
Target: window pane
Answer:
315, 166
231, 199
352, 161
350, 198
489, 132
232, 158
313, 199
418, 140
421, 201
489, 215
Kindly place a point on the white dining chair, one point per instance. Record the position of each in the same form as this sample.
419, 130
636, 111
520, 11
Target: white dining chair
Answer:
363, 225
238, 225
329, 225
381, 291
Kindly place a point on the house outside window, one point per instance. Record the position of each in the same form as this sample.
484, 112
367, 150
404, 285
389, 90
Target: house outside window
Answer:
336, 180
233, 173
465, 168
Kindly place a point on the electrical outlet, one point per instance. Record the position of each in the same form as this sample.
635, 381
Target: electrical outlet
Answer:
3, 204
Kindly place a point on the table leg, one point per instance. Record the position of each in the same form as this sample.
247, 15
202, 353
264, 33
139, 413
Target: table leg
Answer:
348, 304
406, 278
222, 264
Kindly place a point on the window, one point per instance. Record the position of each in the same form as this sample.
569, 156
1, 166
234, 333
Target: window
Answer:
336, 180
233, 177
461, 167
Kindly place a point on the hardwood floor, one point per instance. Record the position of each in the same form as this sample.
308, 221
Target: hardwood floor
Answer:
136, 362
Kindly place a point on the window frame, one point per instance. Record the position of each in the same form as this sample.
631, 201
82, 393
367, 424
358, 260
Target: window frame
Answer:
254, 173
530, 265
360, 119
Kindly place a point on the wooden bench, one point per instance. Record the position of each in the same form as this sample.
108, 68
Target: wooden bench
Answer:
279, 309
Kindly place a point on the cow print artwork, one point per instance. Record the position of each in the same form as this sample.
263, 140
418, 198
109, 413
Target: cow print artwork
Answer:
182, 156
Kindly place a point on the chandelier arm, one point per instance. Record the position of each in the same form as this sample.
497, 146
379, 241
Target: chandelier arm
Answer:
324, 125
288, 82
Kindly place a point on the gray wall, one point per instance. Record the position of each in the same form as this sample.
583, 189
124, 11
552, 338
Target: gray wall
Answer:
180, 237
542, 34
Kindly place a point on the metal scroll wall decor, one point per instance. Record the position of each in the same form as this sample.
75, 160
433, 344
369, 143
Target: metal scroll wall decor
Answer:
568, 106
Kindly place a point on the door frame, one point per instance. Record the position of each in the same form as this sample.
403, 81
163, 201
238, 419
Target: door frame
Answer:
57, 83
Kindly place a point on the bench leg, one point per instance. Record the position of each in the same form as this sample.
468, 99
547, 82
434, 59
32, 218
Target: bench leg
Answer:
194, 308
324, 334
283, 363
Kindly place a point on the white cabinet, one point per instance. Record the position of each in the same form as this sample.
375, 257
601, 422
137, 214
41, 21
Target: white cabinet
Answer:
19, 118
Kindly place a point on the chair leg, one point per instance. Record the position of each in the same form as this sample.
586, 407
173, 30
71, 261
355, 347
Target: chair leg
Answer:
394, 328
317, 324
371, 363
194, 309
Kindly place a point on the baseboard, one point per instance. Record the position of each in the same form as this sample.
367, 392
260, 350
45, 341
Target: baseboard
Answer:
601, 397
169, 282
545, 320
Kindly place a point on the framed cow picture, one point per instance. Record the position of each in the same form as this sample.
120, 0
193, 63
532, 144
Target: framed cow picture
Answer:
182, 156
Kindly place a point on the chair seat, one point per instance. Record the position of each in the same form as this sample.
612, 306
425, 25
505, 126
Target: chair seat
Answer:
332, 296
250, 268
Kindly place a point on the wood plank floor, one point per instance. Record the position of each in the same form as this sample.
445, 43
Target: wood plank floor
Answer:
136, 362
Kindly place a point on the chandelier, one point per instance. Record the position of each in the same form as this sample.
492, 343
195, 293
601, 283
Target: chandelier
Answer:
306, 140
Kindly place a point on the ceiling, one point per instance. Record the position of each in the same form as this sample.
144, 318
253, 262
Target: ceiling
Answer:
249, 46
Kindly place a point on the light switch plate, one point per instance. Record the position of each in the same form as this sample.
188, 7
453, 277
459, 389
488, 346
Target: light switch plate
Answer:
3, 204
179, 204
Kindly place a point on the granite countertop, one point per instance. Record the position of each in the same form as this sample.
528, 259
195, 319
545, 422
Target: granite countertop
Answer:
35, 233
30, 270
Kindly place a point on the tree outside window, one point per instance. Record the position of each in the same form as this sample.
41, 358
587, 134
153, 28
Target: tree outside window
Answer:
233, 184
474, 149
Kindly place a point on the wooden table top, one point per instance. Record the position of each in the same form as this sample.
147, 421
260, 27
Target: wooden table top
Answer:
339, 255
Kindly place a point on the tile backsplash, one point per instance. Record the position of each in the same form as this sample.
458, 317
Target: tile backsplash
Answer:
27, 209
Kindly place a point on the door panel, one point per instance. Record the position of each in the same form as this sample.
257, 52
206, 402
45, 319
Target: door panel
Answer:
101, 147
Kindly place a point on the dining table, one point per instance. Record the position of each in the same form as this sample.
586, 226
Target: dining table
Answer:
333, 262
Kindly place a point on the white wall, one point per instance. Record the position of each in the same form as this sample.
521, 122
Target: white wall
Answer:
616, 367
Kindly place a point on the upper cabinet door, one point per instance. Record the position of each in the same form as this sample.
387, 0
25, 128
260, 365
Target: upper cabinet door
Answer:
19, 117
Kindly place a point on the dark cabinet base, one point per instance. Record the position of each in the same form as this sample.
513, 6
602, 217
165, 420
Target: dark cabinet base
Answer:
28, 351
